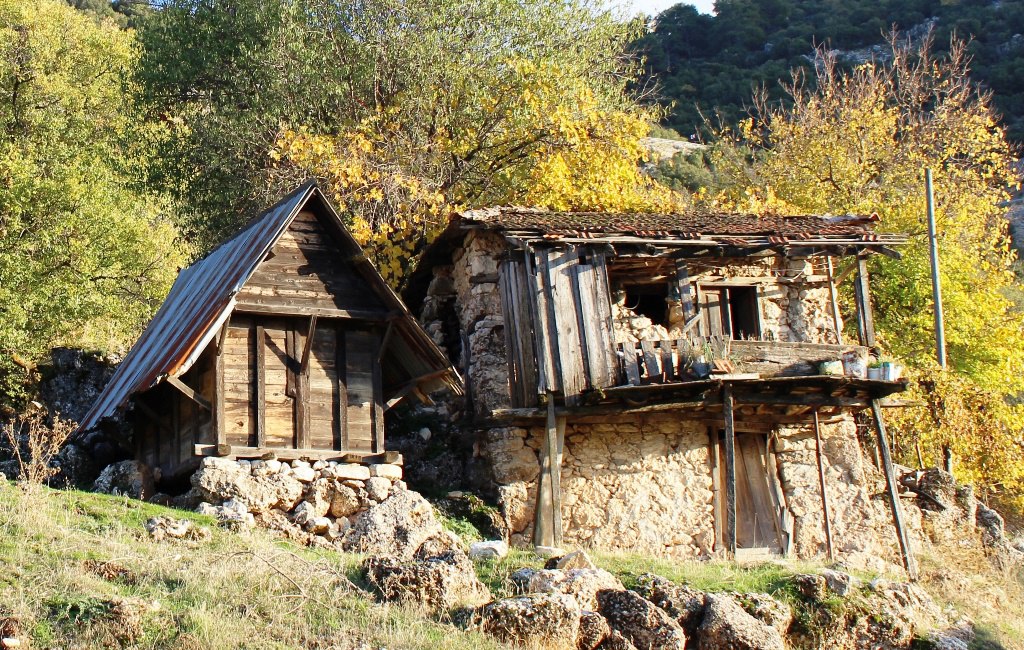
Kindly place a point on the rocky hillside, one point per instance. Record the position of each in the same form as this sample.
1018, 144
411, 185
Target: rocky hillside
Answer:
85, 570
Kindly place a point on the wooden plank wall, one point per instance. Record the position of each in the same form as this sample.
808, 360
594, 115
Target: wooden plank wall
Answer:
291, 404
303, 272
571, 347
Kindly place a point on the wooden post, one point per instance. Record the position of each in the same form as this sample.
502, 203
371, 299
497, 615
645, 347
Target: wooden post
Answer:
826, 516
556, 480
716, 489
865, 320
542, 532
219, 426
730, 470
894, 497
834, 300
261, 387
341, 376
947, 458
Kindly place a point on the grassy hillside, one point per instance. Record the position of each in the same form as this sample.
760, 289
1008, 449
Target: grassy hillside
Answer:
78, 570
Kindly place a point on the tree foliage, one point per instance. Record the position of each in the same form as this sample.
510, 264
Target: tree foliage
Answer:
403, 109
84, 256
858, 142
711, 63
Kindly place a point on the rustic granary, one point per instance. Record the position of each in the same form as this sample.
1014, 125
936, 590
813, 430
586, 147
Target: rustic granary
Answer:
653, 382
283, 340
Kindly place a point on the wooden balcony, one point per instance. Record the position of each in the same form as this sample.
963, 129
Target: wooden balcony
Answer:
666, 362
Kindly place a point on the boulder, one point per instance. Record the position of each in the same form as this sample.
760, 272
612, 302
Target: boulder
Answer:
574, 560
344, 501
395, 527
767, 610
386, 470
488, 550
319, 494
615, 641
593, 630
839, 583
129, 477
233, 513
581, 584
439, 583
684, 604
727, 625
377, 488
991, 524
352, 472
219, 480
303, 473
161, 528
444, 542
640, 621
552, 619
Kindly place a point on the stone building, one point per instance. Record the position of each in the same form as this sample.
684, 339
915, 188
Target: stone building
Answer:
653, 382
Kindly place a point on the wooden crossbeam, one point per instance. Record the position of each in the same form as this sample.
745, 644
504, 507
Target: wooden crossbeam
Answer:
189, 392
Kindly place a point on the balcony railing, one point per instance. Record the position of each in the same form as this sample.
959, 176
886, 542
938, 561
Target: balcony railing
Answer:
663, 361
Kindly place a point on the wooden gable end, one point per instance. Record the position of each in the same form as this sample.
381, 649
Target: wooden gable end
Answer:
307, 272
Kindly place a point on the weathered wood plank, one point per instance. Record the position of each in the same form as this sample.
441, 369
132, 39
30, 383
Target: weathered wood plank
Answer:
730, 470
894, 499
629, 362
862, 291
261, 386
650, 361
826, 517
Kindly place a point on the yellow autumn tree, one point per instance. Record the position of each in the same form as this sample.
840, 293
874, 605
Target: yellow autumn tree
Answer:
858, 142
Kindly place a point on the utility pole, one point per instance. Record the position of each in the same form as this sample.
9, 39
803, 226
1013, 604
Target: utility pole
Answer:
940, 332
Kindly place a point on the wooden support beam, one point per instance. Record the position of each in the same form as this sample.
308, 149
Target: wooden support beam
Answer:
730, 471
288, 453
189, 392
826, 516
307, 348
834, 302
219, 427
377, 414
261, 386
894, 498
801, 400
865, 319
557, 445
387, 339
716, 488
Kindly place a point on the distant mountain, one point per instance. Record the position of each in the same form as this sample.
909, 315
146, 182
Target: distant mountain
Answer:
711, 63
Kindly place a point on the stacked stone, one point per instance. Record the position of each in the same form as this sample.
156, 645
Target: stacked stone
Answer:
322, 499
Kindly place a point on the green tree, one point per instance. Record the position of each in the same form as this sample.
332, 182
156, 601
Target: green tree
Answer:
84, 255
434, 98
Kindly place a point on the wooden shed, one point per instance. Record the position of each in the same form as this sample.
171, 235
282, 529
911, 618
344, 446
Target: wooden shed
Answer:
284, 340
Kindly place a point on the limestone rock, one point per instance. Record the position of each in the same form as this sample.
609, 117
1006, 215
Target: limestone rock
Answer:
439, 544
219, 480
535, 618
574, 560
161, 528
232, 513
488, 550
520, 579
727, 625
767, 610
839, 583
344, 501
352, 471
395, 527
593, 630
581, 584
377, 488
319, 495
438, 583
684, 604
991, 524
386, 470
615, 641
303, 473
128, 477
640, 621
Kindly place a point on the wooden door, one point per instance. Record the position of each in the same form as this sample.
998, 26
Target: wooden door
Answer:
758, 509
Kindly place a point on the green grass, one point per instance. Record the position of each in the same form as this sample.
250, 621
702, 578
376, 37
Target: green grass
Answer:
78, 569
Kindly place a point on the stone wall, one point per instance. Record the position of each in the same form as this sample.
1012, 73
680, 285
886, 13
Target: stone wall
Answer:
643, 484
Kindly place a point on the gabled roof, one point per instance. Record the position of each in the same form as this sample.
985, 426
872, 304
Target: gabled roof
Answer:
686, 225
203, 295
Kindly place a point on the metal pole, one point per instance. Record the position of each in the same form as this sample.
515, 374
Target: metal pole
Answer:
940, 332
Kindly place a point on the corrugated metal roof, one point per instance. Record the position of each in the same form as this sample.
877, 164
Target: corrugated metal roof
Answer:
201, 299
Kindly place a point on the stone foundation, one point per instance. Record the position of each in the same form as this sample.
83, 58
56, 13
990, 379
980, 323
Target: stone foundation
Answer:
644, 484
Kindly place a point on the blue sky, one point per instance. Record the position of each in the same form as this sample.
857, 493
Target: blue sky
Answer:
653, 7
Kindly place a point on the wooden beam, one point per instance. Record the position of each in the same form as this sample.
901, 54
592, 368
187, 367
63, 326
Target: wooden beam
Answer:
189, 392
377, 412
261, 386
557, 445
219, 427
352, 314
234, 451
341, 375
542, 532
834, 301
716, 488
865, 320
826, 517
801, 400
730, 471
307, 348
387, 339
894, 498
